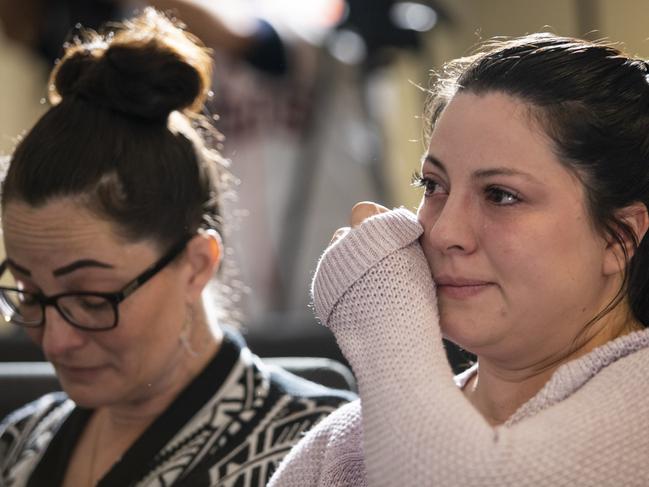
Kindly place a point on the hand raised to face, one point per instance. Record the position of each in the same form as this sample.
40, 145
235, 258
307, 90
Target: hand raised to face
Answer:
360, 212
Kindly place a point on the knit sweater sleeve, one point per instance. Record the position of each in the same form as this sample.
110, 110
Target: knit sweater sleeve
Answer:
373, 288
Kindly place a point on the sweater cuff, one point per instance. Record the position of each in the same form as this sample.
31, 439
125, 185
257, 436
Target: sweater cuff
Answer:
357, 252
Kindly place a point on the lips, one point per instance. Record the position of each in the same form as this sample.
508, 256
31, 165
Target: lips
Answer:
460, 287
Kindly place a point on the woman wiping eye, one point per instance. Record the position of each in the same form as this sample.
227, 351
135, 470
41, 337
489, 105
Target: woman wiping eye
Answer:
529, 250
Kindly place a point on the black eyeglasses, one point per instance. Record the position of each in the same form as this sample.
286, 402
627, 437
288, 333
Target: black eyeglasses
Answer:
91, 311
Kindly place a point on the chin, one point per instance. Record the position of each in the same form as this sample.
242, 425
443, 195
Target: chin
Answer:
85, 399
464, 334
90, 396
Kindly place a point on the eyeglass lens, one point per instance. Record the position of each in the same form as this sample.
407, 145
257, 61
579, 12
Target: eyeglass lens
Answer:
25, 309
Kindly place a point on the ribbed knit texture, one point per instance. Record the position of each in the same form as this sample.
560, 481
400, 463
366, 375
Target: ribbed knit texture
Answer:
586, 427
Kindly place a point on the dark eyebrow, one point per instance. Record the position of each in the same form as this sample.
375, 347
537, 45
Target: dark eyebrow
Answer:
66, 269
77, 264
502, 171
435, 162
18, 267
483, 173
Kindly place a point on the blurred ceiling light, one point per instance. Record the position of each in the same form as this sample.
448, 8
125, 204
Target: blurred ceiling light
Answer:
309, 19
413, 16
347, 46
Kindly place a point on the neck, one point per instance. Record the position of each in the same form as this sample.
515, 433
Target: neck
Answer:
499, 388
497, 393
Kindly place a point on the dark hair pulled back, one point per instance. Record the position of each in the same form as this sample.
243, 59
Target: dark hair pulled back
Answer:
125, 133
592, 101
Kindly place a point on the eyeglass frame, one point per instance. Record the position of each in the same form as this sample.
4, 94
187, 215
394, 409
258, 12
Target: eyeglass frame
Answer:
114, 298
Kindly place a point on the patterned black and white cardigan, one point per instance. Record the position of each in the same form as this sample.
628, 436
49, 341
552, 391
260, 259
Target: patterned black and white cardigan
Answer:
230, 427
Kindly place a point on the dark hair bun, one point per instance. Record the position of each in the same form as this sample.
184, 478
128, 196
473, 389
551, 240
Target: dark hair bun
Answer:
147, 68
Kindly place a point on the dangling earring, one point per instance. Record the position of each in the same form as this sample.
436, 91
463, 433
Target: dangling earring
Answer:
186, 332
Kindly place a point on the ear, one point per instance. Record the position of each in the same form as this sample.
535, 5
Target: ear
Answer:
637, 218
203, 255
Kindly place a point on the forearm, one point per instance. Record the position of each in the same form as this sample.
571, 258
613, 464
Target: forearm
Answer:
418, 427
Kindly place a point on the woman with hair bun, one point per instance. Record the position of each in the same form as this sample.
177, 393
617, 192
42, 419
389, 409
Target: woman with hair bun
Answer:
529, 249
111, 220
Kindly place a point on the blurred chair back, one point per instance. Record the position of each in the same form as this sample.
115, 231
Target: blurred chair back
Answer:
323, 371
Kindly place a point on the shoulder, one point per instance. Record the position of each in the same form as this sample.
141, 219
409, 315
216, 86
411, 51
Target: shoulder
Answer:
330, 454
26, 433
259, 412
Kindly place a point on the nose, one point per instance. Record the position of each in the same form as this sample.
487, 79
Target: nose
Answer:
451, 229
59, 336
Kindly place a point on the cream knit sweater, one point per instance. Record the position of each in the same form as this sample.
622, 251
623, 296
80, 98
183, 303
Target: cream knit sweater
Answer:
588, 426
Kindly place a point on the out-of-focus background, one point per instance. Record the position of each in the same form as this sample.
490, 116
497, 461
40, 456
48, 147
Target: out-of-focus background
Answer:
319, 102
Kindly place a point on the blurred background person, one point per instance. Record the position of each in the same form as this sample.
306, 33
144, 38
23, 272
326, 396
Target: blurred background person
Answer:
298, 133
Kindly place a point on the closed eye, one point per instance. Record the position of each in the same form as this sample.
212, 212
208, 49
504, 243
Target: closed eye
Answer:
500, 196
93, 303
